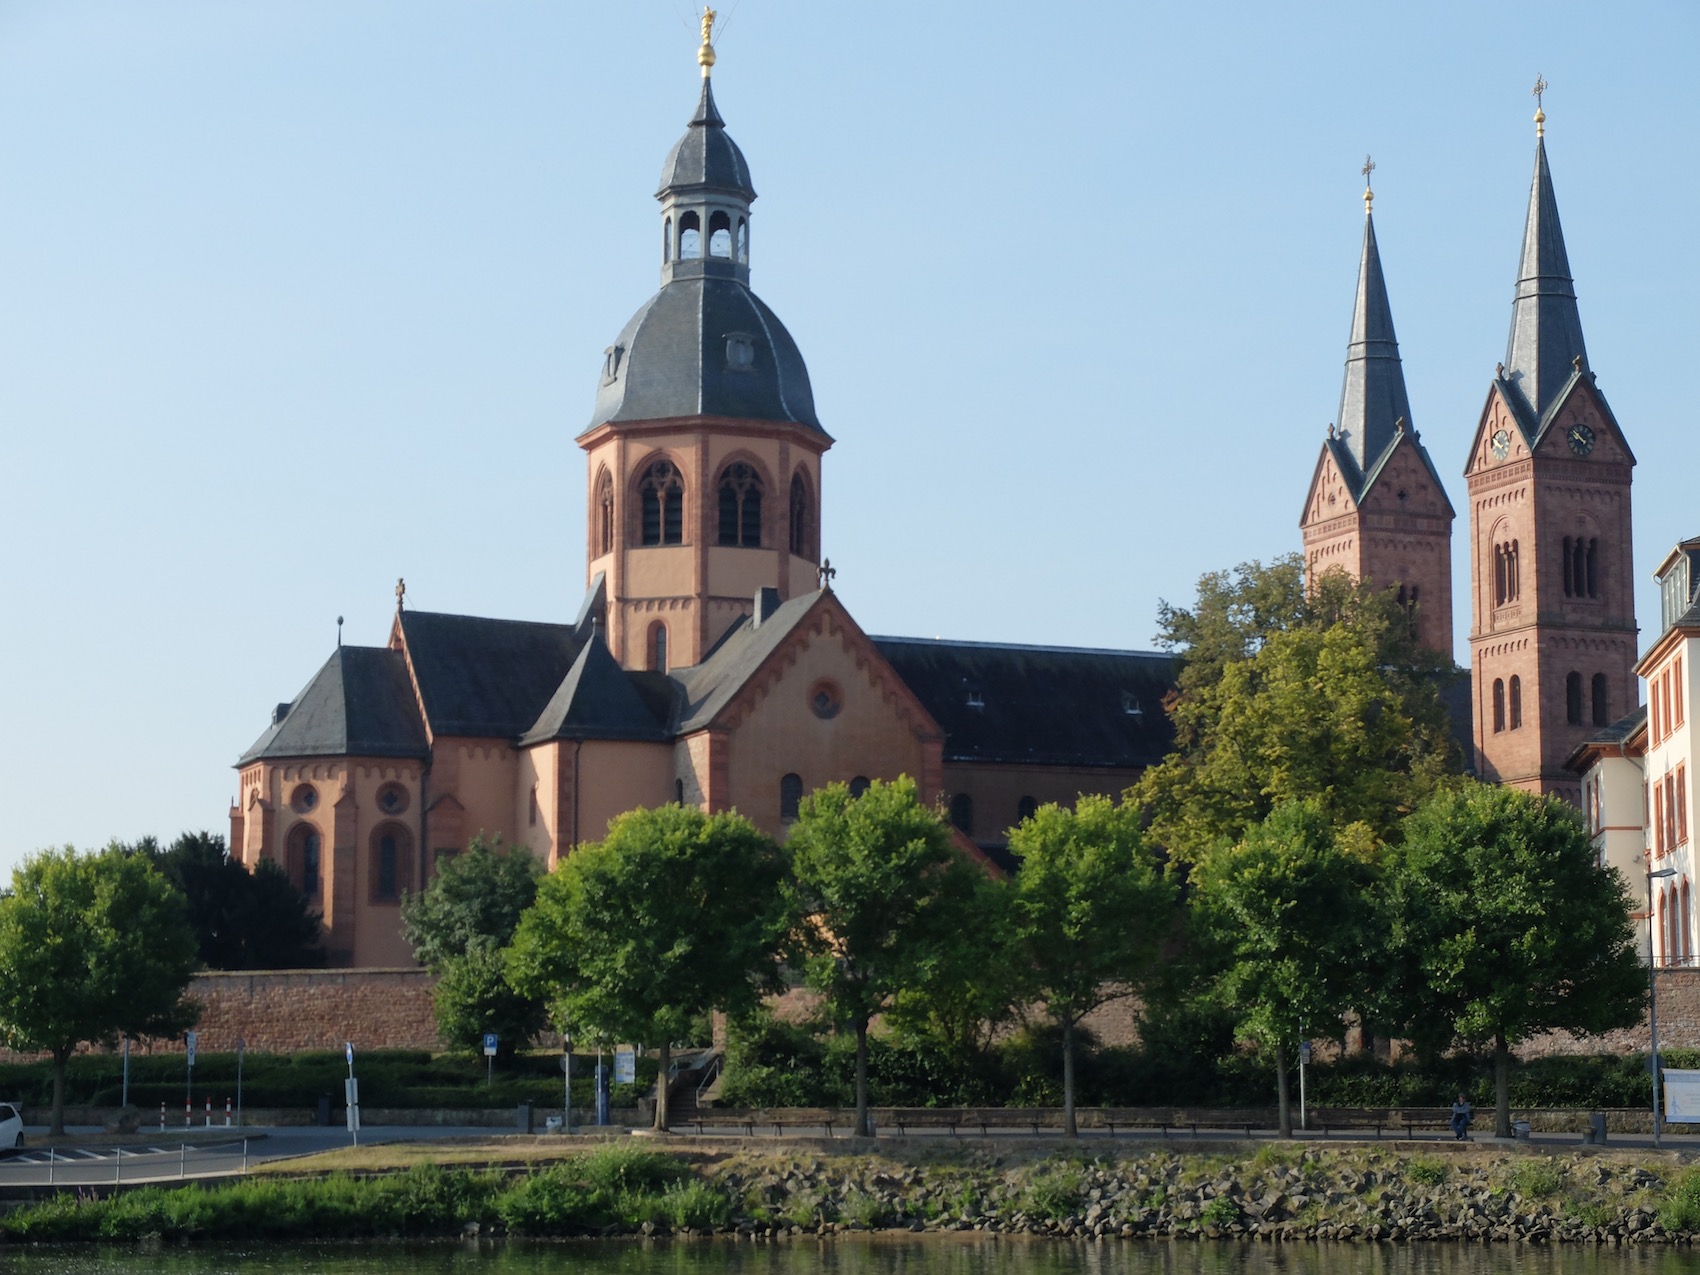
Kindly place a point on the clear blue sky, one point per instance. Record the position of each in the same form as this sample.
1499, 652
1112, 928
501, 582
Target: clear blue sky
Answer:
298, 297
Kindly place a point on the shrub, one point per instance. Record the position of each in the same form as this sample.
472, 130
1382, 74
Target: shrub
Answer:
1535, 1178
1428, 1172
1054, 1191
1221, 1211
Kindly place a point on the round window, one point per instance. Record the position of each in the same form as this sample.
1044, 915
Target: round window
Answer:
304, 798
392, 799
825, 700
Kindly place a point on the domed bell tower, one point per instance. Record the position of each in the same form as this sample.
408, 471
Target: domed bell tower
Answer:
704, 449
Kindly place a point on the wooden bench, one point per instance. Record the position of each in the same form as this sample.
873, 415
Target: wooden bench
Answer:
777, 1119
907, 1118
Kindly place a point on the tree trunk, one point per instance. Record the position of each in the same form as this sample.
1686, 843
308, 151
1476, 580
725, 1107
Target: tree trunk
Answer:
662, 1080
1283, 1103
57, 1127
1501, 1087
1069, 1129
863, 1129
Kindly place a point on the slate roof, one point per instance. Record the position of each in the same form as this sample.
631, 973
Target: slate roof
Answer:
360, 704
1039, 705
706, 155
708, 687
597, 700
1546, 325
487, 677
674, 361
1372, 398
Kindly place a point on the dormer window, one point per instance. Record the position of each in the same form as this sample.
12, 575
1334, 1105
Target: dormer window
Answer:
611, 363
1130, 705
740, 352
975, 699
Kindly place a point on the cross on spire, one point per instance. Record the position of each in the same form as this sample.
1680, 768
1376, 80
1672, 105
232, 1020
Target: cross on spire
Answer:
1539, 91
1369, 192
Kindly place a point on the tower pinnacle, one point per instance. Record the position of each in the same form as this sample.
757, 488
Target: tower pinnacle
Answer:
705, 55
1539, 91
1369, 190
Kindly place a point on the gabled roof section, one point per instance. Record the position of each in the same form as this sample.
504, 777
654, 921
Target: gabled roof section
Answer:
484, 677
1617, 740
710, 686
1373, 399
1404, 439
360, 704
596, 700
1546, 325
1039, 705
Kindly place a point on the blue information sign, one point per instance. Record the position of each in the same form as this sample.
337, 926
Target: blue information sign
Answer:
489, 1044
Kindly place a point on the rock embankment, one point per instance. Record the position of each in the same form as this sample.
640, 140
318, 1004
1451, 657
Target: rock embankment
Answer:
1274, 1194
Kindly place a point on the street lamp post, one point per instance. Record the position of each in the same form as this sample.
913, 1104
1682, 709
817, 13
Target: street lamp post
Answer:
567, 1082
1653, 991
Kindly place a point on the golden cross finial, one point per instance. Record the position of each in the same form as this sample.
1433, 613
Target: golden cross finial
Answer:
705, 55
1369, 193
1540, 109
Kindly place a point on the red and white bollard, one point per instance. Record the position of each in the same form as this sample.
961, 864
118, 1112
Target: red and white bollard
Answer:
209, 1113
227, 1113
162, 1117
188, 1114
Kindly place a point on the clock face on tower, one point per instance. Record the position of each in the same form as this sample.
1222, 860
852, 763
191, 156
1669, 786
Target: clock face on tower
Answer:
1580, 438
1502, 443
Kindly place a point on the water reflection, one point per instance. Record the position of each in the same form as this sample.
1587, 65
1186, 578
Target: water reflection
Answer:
935, 1255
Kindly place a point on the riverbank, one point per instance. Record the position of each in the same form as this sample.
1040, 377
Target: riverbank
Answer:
1273, 1193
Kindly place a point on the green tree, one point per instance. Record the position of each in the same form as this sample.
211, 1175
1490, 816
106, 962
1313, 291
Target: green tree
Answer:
459, 928
883, 898
1092, 909
242, 920
1284, 694
1287, 915
92, 947
1508, 927
673, 914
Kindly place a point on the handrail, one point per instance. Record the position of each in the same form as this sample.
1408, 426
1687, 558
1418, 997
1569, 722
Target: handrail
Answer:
709, 1074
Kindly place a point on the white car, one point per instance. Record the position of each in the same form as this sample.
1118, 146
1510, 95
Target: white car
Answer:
11, 1125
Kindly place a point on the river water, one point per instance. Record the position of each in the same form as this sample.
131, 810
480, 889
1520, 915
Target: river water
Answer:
934, 1255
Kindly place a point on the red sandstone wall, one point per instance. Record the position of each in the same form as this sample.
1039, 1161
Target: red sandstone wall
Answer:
1679, 1025
286, 1011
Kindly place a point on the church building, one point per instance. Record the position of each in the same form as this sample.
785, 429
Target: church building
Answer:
710, 661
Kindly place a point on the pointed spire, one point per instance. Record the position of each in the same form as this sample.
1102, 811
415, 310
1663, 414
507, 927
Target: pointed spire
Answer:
1546, 326
707, 115
1373, 400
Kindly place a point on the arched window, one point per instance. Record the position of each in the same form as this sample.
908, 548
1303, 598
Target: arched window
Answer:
1024, 809
304, 859
790, 796
391, 862
666, 239
1498, 705
1602, 700
719, 235
605, 512
1593, 567
740, 506
1507, 577
1573, 699
690, 237
962, 813
802, 532
678, 792
1516, 701
657, 647
858, 785
743, 241
1685, 943
662, 490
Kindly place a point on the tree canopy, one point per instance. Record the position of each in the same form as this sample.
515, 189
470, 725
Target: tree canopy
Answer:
673, 914
1285, 694
1091, 910
882, 897
92, 947
1508, 927
1288, 924
242, 920
459, 928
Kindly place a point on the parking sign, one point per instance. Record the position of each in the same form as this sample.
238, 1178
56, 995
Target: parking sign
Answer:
489, 1044
189, 1041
